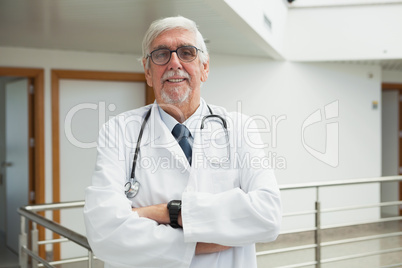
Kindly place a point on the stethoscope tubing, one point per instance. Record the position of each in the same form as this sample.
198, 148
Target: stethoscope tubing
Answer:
137, 148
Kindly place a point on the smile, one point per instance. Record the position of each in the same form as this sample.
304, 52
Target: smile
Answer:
175, 76
176, 80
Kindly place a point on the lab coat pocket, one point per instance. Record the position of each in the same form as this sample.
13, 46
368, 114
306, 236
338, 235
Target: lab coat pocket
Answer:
225, 179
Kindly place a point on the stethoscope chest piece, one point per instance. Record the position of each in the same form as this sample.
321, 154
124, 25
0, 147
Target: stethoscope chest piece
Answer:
131, 189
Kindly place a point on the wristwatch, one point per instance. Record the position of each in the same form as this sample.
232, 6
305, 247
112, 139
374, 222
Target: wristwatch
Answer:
174, 208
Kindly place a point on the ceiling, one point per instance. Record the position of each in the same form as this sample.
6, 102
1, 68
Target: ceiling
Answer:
117, 26
333, 3
113, 26
388, 65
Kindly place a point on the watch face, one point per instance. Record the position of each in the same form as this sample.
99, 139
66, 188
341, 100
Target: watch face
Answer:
174, 203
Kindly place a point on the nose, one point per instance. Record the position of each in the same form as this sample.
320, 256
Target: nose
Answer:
174, 62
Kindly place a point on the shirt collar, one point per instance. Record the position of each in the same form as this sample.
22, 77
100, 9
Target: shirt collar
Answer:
191, 123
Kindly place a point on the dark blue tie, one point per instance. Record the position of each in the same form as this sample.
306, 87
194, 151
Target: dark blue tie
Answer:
182, 134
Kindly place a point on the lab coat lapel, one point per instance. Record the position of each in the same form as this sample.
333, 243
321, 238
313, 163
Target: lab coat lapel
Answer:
200, 178
160, 137
213, 143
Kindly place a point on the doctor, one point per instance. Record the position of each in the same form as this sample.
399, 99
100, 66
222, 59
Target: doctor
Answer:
198, 194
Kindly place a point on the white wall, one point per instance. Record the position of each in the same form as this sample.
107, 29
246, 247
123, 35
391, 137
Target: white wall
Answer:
295, 91
291, 92
344, 33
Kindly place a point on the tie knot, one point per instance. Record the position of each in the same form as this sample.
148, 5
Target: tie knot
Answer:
180, 131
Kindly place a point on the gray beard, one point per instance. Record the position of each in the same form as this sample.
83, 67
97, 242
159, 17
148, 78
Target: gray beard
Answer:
182, 99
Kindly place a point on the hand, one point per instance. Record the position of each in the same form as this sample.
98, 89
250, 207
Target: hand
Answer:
207, 248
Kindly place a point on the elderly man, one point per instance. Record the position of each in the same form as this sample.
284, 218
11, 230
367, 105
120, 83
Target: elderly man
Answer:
174, 185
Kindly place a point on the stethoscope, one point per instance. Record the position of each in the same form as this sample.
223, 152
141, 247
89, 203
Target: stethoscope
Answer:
132, 187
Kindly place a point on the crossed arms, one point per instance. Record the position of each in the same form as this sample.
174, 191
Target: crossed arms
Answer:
160, 214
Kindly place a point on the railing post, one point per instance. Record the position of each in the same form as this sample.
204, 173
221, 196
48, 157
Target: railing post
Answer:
34, 243
318, 230
90, 258
23, 256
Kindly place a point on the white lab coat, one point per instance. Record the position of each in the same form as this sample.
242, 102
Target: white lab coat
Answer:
235, 206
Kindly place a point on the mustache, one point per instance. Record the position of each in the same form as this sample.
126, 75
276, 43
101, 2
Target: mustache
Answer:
172, 73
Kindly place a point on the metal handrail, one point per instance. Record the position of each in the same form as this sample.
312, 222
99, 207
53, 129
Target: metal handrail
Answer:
55, 227
339, 182
55, 206
29, 212
362, 238
318, 228
309, 212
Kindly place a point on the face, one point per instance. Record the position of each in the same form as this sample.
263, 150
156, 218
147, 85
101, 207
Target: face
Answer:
176, 82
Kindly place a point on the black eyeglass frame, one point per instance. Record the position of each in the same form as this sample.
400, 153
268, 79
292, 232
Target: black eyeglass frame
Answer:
171, 51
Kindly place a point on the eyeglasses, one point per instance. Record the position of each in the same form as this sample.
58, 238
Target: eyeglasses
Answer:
162, 56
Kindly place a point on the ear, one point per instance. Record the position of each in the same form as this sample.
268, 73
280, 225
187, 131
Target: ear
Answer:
148, 75
204, 71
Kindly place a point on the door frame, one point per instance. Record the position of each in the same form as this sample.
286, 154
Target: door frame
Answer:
397, 87
56, 76
37, 131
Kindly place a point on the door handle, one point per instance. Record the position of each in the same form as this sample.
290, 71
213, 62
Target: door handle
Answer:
3, 165
6, 164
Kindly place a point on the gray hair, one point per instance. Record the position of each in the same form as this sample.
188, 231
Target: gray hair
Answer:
166, 24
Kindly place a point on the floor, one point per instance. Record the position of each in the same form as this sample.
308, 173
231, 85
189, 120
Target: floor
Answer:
9, 259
